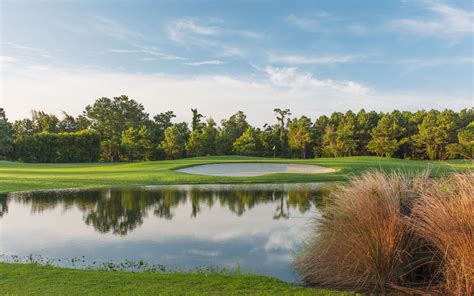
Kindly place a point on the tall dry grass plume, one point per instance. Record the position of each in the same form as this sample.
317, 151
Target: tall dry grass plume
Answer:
397, 231
444, 217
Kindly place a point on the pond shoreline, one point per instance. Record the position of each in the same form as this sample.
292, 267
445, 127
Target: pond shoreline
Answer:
54, 280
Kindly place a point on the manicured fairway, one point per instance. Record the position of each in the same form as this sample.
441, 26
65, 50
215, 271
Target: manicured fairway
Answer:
16, 176
21, 279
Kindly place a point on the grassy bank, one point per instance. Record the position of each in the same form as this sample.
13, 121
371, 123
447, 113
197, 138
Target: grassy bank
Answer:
34, 279
16, 176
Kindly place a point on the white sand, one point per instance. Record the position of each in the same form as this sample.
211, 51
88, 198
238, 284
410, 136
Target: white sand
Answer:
253, 169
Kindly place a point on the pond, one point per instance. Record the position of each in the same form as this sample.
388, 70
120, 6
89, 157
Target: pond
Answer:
254, 227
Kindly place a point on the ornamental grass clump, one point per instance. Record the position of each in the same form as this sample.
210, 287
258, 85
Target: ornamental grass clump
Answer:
443, 217
383, 233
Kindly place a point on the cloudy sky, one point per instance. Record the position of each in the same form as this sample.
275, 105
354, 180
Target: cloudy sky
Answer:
314, 57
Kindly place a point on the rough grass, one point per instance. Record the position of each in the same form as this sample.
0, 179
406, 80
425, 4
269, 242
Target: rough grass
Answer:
21, 279
395, 232
15, 176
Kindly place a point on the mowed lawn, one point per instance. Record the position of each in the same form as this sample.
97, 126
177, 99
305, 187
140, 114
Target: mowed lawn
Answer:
16, 176
21, 279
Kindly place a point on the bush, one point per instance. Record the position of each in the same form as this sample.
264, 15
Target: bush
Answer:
384, 232
82, 146
444, 217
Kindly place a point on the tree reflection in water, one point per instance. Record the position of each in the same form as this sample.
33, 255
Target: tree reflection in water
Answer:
3, 205
121, 210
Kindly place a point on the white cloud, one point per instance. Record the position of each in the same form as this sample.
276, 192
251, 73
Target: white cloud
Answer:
189, 32
448, 21
211, 62
292, 79
71, 89
179, 29
28, 52
433, 62
307, 24
153, 51
323, 59
25, 48
114, 29
313, 24
6, 59
180, 26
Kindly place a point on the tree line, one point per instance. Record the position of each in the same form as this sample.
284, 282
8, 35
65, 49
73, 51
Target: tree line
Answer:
119, 129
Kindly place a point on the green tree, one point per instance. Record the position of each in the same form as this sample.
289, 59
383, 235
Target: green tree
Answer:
204, 142
160, 123
269, 140
173, 144
330, 141
248, 143
319, 128
23, 128
300, 135
131, 149
432, 136
465, 146
137, 144
147, 147
196, 124
82, 122
6, 136
282, 120
365, 122
232, 129
281, 115
466, 116
384, 137
346, 143
111, 118
67, 124
43, 122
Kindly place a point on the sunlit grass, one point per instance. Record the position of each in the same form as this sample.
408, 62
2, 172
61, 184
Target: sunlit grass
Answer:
16, 176
22, 279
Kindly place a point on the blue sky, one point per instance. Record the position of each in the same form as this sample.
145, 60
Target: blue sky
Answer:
314, 57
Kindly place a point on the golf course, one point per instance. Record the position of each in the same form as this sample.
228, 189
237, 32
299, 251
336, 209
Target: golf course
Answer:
16, 176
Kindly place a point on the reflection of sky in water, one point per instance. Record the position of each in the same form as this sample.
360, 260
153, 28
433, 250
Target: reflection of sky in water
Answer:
254, 226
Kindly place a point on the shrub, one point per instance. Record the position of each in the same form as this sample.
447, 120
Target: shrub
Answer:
444, 217
81, 146
384, 232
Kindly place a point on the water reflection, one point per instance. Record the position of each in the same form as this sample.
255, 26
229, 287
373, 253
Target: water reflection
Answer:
121, 210
188, 226
3, 205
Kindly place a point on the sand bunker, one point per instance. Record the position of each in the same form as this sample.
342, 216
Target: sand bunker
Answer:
253, 169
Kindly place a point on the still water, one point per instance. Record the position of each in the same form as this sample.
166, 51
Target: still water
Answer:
255, 227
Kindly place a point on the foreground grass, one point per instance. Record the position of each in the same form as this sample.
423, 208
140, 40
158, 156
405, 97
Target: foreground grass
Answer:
35, 279
15, 176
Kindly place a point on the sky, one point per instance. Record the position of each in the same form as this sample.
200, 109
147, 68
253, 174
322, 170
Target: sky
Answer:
313, 57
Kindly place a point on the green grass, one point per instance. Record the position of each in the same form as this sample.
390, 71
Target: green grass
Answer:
15, 176
21, 279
